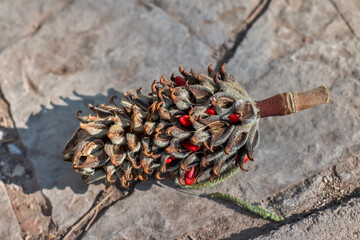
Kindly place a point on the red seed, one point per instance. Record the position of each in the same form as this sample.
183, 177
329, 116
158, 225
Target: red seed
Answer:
189, 146
185, 120
190, 176
233, 118
246, 158
211, 111
170, 159
180, 81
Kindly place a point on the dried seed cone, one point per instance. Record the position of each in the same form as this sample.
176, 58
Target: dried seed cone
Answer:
203, 121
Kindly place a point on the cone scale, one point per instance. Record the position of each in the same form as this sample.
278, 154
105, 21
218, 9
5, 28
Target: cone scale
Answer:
190, 126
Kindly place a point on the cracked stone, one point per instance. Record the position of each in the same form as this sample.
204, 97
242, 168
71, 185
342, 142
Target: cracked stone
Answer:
210, 22
89, 51
107, 47
340, 222
9, 227
349, 12
273, 59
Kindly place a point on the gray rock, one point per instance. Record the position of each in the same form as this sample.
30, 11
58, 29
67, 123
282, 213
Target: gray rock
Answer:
59, 56
9, 227
154, 212
90, 48
349, 12
210, 22
340, 222
286, 51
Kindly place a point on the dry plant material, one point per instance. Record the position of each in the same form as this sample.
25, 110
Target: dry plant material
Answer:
189, 126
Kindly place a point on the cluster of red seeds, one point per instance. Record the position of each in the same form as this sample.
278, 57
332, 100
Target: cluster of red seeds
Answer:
185, 121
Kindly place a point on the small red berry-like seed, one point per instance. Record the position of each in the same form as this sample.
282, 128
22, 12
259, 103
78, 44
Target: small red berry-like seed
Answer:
190, 176
189, 146
185, 120
170, 159
236, 157
234, 118
210, 111
180, 81
246, 158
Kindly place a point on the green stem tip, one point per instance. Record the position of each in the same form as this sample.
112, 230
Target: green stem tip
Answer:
263, 212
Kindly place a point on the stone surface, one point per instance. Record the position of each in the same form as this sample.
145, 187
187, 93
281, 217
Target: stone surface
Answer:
58, 56
89, 48
349, 12
9, 227
212, 23
324, 190
340, 222
156, 211
31, 208
294, 54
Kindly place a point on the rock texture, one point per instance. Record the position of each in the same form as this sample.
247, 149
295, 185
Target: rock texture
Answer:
296, 54
58, 56
340, 222
9, 227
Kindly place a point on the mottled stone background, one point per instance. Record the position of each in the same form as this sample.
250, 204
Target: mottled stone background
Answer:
58, 56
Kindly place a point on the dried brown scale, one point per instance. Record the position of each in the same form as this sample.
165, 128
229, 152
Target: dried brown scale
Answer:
134, 140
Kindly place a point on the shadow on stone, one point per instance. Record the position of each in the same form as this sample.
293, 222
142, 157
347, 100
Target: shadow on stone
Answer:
46, 135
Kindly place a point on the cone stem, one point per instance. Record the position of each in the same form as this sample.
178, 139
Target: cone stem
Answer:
292, 102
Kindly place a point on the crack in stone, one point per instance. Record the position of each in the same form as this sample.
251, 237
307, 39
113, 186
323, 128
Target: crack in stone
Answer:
345, 21
37, 23
27, 200
335, 200
186, 38
297, 217
240, 36
188, 29
258, 11
103, 201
